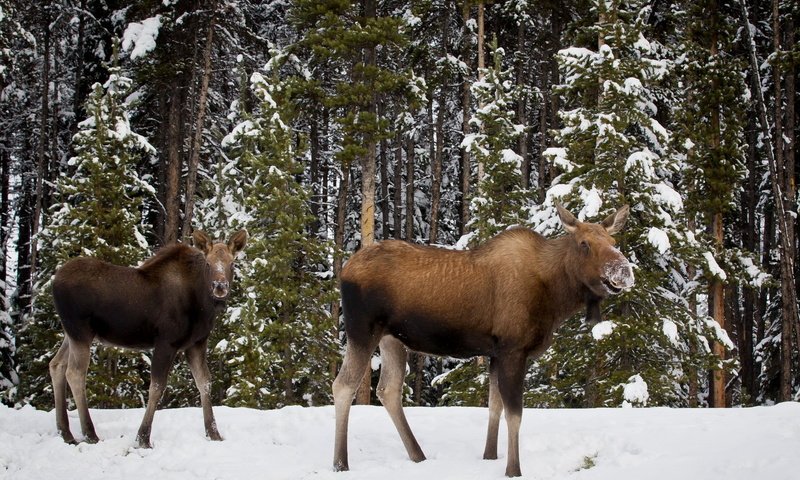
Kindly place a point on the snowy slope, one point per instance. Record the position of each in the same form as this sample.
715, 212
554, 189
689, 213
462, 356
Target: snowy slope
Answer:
297, 443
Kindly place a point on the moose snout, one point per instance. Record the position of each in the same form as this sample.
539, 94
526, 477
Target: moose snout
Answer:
618, 276
219, 288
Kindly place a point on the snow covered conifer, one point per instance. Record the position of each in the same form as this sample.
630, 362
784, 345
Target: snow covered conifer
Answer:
283, 342
499, 199
614, 152
97, 212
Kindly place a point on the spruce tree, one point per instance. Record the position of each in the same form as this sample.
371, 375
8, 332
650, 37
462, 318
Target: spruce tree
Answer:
500, 197
283, 342
614, 152
97, 213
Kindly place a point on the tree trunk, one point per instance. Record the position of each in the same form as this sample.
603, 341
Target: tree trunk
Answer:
786, 248
197, 139
398, 188
481, 67
522, 144
465, 112
716, 294
41, 157
436, 170
384, 201
368, 188
410, 154
338, 239
173, 167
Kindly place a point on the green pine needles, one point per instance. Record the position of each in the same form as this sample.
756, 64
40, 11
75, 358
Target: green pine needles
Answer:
98, 213
616, 152
283, 341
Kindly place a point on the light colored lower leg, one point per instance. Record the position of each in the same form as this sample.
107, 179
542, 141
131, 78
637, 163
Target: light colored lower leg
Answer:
77, 367
344, 389
513, 421
390, 392
58, 375
495, 410
198, 365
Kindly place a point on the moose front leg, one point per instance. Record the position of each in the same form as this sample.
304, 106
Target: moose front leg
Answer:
163, 357
510, 378
198, 364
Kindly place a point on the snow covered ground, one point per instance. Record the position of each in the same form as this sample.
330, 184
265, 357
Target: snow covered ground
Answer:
297, 443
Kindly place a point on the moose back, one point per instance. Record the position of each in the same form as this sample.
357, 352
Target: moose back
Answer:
502, 300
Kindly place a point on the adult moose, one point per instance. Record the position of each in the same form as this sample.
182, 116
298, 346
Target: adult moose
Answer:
503, 300
167, 304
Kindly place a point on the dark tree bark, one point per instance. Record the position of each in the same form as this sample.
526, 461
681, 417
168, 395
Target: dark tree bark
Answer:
368, 187
398, 189
197, 138
465, 112
173, 166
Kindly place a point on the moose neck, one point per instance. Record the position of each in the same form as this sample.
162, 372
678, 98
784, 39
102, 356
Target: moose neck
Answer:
560, 260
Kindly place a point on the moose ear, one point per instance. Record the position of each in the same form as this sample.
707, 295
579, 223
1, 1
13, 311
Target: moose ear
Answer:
201, 241
567, 219
616, 221
237, 241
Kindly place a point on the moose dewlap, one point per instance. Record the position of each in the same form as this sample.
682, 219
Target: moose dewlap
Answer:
502, 300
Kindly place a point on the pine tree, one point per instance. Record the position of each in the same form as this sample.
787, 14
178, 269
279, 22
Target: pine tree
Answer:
710, 128
283, 345
499, 200
97, 213
615, 152
500, 197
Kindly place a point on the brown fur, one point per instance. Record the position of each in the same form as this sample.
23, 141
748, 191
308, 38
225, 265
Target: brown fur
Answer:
167, 304
503, 300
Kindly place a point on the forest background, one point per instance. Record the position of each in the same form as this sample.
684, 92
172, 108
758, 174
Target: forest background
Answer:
323, 126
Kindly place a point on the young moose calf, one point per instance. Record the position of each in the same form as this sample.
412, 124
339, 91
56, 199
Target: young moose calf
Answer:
502, 300
167, 304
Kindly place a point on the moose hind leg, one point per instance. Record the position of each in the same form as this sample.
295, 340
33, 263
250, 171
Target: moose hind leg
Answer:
198, 364
58, 374
163, 357
495, 409
354, 365
77, 367
390, 392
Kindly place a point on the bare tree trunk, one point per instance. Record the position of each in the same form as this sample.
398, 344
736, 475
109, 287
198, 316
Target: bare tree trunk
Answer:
384, 201
410, 154
522, 144
338, 239
398, 188
173, 168
788, 299
481, 66
789, 161
197, 139
465, 112
786, 320
368, 190
436, 171
41, 157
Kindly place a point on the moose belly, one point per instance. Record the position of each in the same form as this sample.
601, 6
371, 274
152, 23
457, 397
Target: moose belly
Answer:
441, 336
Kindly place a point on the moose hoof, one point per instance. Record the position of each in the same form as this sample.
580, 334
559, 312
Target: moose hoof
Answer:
143, 443
91, 439
418, 458
490, 456
340, 466
513, 472
215, 437
69, 439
